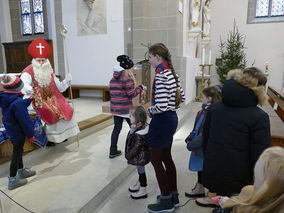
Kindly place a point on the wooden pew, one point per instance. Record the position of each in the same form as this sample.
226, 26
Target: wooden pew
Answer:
76, 91
276, 115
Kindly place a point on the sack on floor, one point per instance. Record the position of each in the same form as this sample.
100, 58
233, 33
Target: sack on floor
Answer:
39, 133
40, 136
195, 162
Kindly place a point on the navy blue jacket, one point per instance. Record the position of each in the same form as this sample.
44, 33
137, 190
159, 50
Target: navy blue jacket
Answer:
15, 117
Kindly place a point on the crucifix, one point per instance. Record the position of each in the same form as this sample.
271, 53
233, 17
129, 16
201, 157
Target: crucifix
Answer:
40, 48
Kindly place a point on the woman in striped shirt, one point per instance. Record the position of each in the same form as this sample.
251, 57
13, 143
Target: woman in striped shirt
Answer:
167, 96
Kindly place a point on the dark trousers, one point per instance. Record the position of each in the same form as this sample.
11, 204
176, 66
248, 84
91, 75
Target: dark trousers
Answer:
116, 130
199, 177
165, 169
17, 157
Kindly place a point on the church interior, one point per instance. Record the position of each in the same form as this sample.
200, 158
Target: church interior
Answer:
205, 38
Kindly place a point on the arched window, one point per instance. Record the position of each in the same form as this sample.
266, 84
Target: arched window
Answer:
32, 17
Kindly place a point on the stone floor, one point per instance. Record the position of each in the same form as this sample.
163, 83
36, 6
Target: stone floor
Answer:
120, 200
83, 179
86, 107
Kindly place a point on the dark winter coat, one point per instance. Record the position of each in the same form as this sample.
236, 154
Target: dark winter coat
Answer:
136, 150
15, 117
235, 133
121, 92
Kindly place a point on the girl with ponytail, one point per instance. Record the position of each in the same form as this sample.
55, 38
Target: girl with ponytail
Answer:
167, 96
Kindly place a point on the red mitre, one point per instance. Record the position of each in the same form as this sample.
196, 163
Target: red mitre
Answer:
39, 48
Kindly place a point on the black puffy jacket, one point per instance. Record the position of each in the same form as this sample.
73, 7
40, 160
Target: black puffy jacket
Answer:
136, 150
235, 133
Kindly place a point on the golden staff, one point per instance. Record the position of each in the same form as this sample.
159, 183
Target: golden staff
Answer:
63, 31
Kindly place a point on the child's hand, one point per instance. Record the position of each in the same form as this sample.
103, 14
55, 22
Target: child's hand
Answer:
144, 87
31, 139
149, 114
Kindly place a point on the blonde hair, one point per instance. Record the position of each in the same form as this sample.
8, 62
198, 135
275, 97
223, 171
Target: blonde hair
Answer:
254, 79
269, 198
129, 74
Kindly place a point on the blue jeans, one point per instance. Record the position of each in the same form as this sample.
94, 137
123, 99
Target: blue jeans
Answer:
116, 130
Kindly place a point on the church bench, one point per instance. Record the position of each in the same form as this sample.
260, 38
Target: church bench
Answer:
276, 97
276, 116
76, 90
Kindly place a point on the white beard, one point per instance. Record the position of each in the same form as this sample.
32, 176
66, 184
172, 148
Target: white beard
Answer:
42, 73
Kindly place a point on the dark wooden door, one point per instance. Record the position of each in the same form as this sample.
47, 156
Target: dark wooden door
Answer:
18, 57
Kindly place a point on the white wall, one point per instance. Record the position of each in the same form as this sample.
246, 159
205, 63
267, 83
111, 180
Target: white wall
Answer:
265, 41
5, 22
91, 58
52, 30
5, 28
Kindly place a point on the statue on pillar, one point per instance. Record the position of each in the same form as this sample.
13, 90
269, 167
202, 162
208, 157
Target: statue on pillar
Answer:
206, 19
195, 11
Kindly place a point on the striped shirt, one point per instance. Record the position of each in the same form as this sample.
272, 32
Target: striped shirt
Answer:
165, 93
122, 91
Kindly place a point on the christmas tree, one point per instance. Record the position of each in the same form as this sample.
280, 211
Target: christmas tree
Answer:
232, 53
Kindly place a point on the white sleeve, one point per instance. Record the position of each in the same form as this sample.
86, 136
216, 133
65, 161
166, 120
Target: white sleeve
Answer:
28, 85
62, 86
28, 89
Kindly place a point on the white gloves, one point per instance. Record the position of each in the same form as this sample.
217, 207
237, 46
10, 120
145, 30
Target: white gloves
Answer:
68, 78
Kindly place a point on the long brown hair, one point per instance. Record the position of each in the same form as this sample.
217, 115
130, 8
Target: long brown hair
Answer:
213, 92
140, 115
161, 50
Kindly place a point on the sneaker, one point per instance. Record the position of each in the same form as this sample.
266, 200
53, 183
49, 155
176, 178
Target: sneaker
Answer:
197, 191
175, 199
15, 182
114, 153
205, 202
142, 193
165, 205
135, 187
25, 173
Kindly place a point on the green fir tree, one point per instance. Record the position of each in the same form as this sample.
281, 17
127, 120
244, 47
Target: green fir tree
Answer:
232, 53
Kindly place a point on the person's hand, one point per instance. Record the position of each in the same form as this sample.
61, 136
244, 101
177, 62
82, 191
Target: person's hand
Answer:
68, 78
144, 87
149, 114
216, 200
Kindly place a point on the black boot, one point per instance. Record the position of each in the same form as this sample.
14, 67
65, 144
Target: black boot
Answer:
49, 143
164, 206
175, 198
114, 153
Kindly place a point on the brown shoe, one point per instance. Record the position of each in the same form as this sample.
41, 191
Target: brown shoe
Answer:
197, 191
